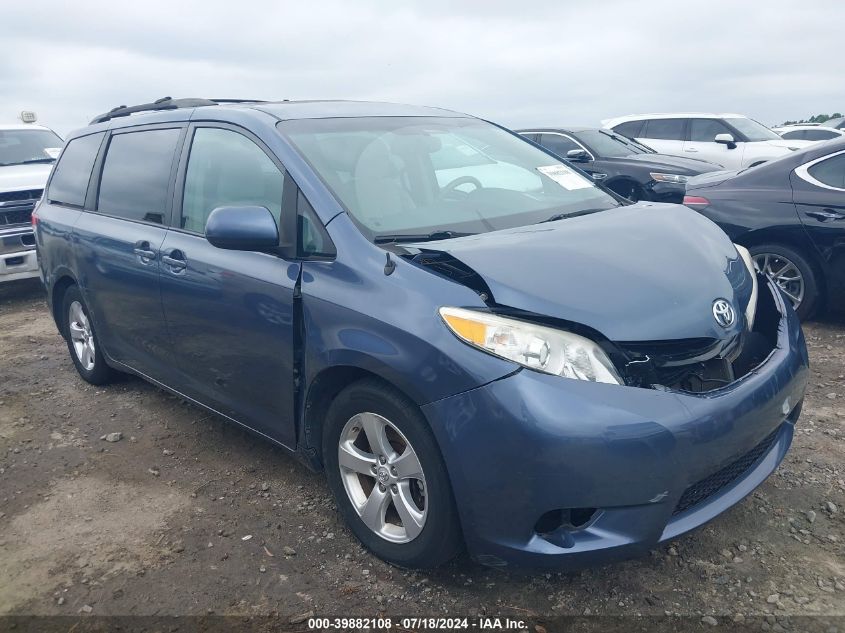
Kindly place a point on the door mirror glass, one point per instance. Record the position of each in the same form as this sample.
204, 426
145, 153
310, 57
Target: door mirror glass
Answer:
577, 155
725, 139
242, 229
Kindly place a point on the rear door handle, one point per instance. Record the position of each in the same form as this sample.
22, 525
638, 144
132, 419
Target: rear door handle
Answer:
144, 252
826, 214
690, 149
175, 260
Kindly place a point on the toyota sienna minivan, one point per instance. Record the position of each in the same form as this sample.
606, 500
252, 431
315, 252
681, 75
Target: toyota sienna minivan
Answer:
479, 346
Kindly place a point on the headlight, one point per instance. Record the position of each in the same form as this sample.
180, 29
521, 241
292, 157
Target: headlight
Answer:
677, 179
751, 309
534, 346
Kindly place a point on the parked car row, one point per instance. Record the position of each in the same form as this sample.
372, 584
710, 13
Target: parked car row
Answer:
480, 344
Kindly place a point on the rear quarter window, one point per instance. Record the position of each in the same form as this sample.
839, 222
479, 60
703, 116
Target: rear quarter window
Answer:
70, 180
631, 129
831, 171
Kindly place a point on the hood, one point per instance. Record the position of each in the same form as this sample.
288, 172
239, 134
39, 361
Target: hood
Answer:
23, 177
643, 272
664, 162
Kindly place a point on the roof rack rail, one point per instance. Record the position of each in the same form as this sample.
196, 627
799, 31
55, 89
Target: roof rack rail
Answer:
165, 103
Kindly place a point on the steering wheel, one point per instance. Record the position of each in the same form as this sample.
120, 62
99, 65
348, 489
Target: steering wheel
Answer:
462, 180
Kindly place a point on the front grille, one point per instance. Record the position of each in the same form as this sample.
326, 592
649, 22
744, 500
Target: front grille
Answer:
701, 491
16, 216
14, 196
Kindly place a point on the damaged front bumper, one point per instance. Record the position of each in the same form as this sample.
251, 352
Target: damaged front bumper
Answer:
551, 472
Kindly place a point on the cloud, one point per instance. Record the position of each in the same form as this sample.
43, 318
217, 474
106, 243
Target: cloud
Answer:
518, 63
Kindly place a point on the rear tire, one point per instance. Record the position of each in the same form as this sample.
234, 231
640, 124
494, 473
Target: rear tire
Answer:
82, 341
416, 525
782, 263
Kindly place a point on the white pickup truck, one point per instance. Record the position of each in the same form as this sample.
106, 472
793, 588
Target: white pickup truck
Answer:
27, 154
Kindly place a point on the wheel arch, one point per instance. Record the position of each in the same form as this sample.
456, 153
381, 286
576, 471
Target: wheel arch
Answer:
57, 293
320, 393
610, 183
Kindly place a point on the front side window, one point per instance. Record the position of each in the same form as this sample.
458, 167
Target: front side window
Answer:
819, 135
395, 178
136, 175
24, 147
795, 135
705, 130
558, 143
752, 130
226, 169
70, 180
830, 172
665, 129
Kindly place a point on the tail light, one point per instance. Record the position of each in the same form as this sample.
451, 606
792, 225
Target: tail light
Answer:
696, 202
34, 217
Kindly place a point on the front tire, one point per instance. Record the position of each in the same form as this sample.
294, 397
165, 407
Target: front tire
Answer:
82, 341
388, 477
793, 274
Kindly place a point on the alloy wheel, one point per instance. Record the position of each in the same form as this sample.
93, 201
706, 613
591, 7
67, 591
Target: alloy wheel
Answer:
81, 336
383, 477
785, 274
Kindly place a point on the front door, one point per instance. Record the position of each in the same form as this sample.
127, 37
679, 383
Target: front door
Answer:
230, 313
701, 144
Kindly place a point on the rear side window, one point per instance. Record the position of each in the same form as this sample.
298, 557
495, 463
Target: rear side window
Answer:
558, 144
70, 180
831, 171
631, 129
136, 175
225, 168
666, 129
705, 130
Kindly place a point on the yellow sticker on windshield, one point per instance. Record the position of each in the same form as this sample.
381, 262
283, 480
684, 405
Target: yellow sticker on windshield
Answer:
565, 177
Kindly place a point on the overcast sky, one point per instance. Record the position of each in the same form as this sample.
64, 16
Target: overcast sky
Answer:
517, 62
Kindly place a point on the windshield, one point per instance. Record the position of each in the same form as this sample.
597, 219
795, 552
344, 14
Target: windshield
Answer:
752, 130
422, 176
611, 145
19, 147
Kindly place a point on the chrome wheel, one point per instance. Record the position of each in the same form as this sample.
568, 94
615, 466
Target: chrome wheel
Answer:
81, 336
784, 273
383, 477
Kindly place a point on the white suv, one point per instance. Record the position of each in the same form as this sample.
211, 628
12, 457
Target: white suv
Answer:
731, 140
27, 154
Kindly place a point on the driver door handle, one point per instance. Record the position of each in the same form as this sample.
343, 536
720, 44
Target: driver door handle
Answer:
690, 149
826, 214
143, 250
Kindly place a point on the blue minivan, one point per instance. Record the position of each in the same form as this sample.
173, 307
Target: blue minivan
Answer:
479, 346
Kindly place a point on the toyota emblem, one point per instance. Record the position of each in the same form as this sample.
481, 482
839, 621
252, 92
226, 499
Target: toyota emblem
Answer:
724, 313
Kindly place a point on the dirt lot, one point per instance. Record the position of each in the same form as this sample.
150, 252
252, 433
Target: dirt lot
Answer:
188, 515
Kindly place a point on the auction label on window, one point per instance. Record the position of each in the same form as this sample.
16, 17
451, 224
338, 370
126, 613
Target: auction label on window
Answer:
565, 177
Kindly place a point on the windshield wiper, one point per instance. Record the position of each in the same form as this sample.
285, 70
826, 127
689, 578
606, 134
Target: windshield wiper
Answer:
422, 237
571, 214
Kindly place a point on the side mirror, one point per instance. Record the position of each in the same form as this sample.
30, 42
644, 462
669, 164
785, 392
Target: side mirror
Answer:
725, 139
242, 229
578, 156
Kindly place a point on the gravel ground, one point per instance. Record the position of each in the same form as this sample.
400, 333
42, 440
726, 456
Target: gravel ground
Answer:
184, 514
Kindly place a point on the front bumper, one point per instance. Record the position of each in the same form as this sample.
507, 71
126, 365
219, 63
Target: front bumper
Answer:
17, 254
532, 443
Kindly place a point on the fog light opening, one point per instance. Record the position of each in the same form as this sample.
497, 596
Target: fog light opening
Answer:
564, 519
